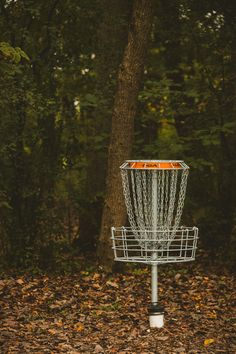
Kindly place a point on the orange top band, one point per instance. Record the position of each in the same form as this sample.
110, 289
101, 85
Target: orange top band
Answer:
155, 165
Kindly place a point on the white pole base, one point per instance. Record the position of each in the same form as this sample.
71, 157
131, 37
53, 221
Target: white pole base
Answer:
156, 320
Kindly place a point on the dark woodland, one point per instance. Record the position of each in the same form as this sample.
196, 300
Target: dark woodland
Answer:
84, 86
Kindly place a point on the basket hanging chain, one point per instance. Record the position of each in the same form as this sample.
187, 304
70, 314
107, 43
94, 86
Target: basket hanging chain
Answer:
140, 201
173, 185
126, 190
182, 192
146, 204
166, 209
159, 190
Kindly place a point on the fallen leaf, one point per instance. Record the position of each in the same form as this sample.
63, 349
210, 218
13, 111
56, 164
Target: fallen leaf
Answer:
134, 333
10, 323
58, 323
212, 315
2, 284
208, 341
96, 286
79, 327
112, 284
20, 281
162, 338
96, 276
180, 350
177, 276
98, 349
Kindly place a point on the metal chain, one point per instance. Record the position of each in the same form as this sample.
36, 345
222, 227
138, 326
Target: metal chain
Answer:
139, 190
158, 197
145, 199
166, 209
128, 203
173, 185
182, 192
149, 197
162, 197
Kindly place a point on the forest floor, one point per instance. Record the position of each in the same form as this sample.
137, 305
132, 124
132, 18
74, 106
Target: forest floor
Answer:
90, 312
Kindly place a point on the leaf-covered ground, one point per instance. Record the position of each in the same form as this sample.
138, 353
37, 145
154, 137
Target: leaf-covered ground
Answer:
90, 312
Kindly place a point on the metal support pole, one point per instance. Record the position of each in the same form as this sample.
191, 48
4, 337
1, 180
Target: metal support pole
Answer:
156, 314
154, 203
154, 284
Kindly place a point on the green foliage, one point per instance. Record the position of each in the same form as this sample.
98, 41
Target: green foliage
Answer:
187, 109
11, 54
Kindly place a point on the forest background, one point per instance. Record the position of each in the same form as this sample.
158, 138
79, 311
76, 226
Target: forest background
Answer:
59, 62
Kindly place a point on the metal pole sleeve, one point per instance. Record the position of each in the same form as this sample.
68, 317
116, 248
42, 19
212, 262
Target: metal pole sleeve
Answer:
154, 283
154, 225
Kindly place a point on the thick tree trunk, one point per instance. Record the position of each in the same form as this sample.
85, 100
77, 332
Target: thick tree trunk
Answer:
129, 77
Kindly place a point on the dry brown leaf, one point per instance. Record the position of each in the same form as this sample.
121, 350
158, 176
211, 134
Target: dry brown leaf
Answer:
162, 338
96, 286
177, 276
112, 284
98, 349
96, 276
2, 284
59, 323
79, 327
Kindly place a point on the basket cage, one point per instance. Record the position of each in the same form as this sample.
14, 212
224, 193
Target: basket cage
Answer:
128, 248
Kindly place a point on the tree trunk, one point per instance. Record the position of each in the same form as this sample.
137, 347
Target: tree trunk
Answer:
125, 104
111, 40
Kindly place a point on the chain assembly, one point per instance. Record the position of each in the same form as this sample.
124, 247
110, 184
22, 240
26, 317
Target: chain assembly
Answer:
158, 194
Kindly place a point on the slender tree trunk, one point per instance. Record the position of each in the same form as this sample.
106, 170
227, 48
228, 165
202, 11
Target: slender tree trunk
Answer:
125, 104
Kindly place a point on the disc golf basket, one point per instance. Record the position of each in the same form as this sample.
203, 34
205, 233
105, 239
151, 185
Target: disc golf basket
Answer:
154, 192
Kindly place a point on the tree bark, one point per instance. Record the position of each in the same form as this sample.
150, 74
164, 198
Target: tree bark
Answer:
125, 104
